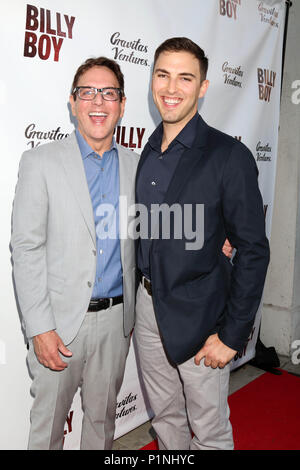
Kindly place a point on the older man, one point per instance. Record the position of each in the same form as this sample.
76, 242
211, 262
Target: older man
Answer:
75, 284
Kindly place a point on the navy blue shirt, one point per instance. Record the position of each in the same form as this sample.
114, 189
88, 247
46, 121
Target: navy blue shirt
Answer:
155, 177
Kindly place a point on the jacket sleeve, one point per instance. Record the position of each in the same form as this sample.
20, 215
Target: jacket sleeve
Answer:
245, 228
28, 244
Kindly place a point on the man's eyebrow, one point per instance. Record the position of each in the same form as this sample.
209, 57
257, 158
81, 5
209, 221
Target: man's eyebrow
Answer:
187, 74
161, 70
182, 74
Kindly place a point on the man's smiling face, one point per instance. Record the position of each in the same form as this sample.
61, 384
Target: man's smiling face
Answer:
97, 119
176, 87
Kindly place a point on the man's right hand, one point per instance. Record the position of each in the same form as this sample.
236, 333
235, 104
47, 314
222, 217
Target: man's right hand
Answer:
47, 347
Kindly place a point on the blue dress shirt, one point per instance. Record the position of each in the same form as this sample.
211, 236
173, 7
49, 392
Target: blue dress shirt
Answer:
102, 174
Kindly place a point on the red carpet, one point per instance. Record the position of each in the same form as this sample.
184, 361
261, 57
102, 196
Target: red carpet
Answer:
265, 414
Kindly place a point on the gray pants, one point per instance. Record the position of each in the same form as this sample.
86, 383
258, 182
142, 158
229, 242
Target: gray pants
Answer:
97, 366
184, 399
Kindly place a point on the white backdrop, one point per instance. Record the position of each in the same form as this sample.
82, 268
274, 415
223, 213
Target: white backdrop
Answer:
42, 44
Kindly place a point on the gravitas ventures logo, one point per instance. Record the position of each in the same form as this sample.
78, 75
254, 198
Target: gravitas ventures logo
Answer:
268, 15
263, 152
129, 50
35, 136
45, 32
232, 74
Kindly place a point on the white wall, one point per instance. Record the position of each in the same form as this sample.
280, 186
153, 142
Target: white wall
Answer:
281, 310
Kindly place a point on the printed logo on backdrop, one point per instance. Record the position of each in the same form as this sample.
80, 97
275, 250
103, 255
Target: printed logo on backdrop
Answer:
263, 152
266, 82
268, 14
45, 32
126, 406
233, 75
129, 50
36, 136
131, 138
68, 425
229, 8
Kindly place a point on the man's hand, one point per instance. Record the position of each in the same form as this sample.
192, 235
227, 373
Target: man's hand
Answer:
216, 353
227, 249
47, 347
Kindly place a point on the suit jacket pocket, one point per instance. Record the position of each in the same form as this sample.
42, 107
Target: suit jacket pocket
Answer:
206, 285
55, 283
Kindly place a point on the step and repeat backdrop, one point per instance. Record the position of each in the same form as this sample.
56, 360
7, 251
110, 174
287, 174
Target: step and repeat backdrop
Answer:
42, 44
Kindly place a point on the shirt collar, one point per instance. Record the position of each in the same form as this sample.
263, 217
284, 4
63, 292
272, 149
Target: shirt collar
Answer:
86, 149
186, 136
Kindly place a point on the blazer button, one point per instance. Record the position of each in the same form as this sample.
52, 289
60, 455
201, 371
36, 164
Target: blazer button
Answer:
94, 252
89, 284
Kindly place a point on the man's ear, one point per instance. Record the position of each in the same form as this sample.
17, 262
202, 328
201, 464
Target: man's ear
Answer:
123, 101
203, 88
72, 103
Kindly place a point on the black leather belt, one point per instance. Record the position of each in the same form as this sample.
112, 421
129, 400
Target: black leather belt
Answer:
101, 304
147, 285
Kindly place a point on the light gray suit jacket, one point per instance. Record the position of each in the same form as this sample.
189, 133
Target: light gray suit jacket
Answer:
54, 240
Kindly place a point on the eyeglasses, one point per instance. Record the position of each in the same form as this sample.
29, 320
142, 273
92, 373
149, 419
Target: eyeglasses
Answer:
89, 93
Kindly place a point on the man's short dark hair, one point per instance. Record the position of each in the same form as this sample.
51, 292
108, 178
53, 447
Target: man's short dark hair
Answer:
99, 62
187, 45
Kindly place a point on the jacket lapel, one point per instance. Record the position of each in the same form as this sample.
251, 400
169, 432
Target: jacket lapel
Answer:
184, 169
142, 160
73, 165
189, 159
127, 172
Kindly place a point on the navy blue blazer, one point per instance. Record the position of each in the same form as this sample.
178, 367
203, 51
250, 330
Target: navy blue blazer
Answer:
199, 292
